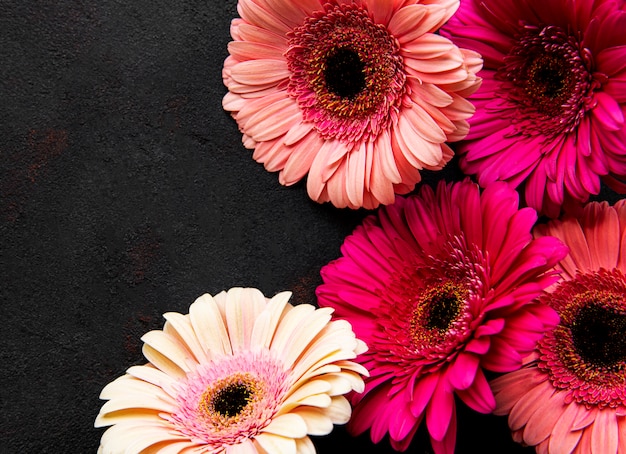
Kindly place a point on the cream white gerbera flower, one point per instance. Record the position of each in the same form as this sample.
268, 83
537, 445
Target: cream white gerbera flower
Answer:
240, 373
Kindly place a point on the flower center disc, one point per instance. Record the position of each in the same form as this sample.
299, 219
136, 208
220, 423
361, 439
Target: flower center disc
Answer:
436, 310
548, 81
585, 354
229, 398
232, 399
347, 74
440, 306
549, 77
344, 73
599, 335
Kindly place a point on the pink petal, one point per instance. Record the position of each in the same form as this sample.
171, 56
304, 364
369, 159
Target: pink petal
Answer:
260, 72
510, 388
274, 121
300, 159
245, 50
534, 400
564, 439
604, 433
541, 424
256, 15
601, 228
381, 10
402, 422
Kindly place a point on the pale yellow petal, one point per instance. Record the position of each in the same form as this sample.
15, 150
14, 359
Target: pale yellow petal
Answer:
181, 325
275, 444
301, 326
133, 438
127, 415
245, 447
317, 422
305, 446
242, 308
170, 349
339, 411
141, 402
209, 327
162, 362
287, 425
339, 384
152, 375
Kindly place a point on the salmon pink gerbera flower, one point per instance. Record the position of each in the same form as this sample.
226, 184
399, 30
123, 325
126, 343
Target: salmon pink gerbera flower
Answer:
440, 286
571, 394
550, 111
239, 374
361, 95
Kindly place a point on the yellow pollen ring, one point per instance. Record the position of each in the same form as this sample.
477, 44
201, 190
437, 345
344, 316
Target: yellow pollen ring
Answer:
446, 298
251, 391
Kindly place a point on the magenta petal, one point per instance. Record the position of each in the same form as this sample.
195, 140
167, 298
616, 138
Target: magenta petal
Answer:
423, 393
439, 412
446, 446
479, 346
491, 327
479, 396
402, 422
501, 357
366, 413
463, 370
608, 112
403, 445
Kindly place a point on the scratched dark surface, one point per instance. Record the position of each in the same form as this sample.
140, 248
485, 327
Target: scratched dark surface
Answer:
125, 193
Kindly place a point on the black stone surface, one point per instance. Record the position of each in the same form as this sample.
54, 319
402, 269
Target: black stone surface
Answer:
125, 192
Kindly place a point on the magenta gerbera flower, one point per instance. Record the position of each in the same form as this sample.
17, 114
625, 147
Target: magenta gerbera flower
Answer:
361, 95
550, 111
571, 394
440, 286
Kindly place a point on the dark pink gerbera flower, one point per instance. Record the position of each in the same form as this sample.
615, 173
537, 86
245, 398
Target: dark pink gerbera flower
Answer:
550, 111
571, 394
440, 286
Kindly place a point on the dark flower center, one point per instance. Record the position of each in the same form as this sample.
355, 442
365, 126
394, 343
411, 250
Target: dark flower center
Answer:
232, 399
548, 76
443, 308
585, 354
344, 73
599, 335
347, 73
427, 312
436, 309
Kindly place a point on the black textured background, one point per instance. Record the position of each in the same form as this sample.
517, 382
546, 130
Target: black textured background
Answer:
125, 193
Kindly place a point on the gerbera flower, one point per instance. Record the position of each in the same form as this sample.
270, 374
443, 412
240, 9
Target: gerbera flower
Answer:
239, 374
571, 394
440, 287
361, 95
550, 111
